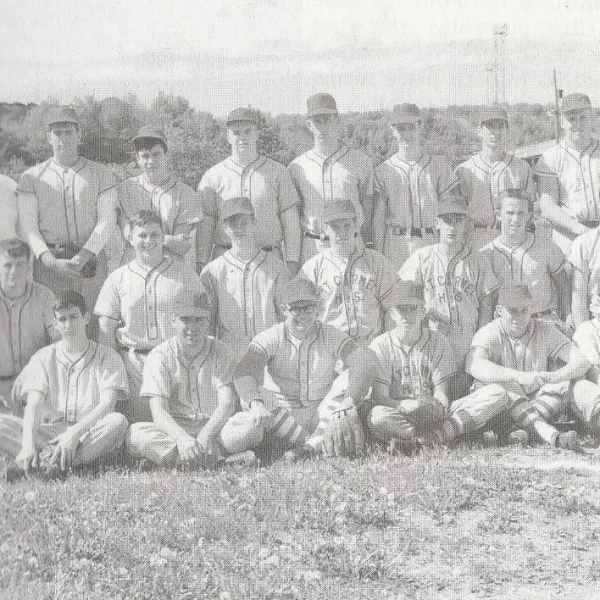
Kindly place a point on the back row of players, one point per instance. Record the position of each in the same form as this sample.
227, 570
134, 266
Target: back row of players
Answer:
320, 215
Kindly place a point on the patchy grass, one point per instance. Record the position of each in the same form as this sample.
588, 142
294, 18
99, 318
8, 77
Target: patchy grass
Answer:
448, 524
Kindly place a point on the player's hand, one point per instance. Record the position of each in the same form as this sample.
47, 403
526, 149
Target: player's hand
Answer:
27, 460
293, 267
549, 377
422, 412
260, 412
179, 243
344, 435
62, 266
81, 259
530, 379
207, 440
66, 446
187, 447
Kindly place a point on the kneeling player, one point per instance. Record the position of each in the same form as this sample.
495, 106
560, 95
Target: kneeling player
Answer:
187, 380
71, 388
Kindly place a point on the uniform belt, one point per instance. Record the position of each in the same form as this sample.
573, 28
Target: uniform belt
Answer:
410, 231
266, 248
543, 313
482, 226
314, 236
143, 351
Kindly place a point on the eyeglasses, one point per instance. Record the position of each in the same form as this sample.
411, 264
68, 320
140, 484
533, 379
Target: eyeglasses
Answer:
309, 309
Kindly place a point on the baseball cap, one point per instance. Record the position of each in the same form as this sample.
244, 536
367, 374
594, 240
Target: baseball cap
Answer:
338, 209
236, 206
493, 113
453, 205
191, 305
574, 102
515, 296
321, 104
405, 113
300, 291
150, 133
61, 114
241, 114
408, 293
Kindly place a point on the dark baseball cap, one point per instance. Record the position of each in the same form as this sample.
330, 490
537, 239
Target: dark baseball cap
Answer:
61, 114
575, 102
191, 305
150, 133
493, 113
455, 205
405, 113
338, 209
408, 293
236, 206
321, 104
241, 114
515, 296
300, 292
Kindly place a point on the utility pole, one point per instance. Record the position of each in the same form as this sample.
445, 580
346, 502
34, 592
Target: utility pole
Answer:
500, 33
558, 94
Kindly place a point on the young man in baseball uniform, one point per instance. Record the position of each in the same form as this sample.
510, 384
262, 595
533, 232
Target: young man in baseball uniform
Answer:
518, 353
330, 170
156, 189
356, 283
71, 388
569, 174
408, 187
522, 257
488, 173
8, 208
300, 356
67, 211
135, 305
411, 402
26, 319
459, 282
187, 381
244, 284
266, 183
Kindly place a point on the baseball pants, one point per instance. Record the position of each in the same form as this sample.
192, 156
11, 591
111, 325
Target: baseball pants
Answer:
136, 409
586, 404
6, 400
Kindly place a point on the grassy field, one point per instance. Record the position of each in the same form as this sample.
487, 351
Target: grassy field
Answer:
461, 523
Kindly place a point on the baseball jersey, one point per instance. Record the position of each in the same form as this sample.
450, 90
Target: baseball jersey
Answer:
532, 263
268, 186
302, 371
346, 174
355, 291
578, 177
411, 190
189, 384
411, 372
25, 323
541, 343
174, 201
482, 183
72, 389
587, 339
245, 296
142, 300
453, 285
8, 207
58, 205
585, 257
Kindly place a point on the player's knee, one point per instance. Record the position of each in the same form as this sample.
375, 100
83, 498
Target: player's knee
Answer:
117, 423
134, 436
377, 419
241, 433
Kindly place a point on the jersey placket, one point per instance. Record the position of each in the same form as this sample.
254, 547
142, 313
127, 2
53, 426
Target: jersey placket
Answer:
150, 301
73, 371
414, 172
69, 178
303, 369
248, 297
349, 307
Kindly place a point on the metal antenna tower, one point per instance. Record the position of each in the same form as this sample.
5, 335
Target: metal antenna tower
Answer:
500, 33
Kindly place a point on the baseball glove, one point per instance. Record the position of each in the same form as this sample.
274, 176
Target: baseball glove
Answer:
344, 435
68, 250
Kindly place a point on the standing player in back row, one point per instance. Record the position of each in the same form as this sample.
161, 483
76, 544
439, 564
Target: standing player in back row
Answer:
485, 175
408, 187
330, 170
263, 181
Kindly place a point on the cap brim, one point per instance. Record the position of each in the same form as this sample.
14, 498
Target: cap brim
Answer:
321, 111
453, 211
237, 212
230, 122
65, 121
302, 302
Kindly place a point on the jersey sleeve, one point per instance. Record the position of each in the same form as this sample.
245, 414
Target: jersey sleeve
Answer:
557, 343
208, 197
578, 257
486, 339
587, 343
367, 179
487, 281
189, 210
556, 258
47, 301
411, 269
34, 377
447, 180
388, 280
546, 166
267, 341
106, 179
224, 366
339, 343
109, 299
288, 195
464, 176
111, 372
383, 372
157, 377
443, 364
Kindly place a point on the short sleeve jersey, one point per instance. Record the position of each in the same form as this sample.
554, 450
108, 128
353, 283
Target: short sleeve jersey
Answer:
8, 206
302, 371
25, 323
532, 263
355, 292
482, 183
411, 190
578, 177
346, 174
585, 257
72, 389
142, 300
265, 182
189, 384
244, 295
587, 339
411, 372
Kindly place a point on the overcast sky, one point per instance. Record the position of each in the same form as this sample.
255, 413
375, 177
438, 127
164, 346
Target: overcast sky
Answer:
272, 54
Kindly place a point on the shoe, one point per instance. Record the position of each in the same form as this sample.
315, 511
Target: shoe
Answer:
305, 452
241, 458
489, 439
12, 473
145, 465
409, 447
568, 441
518, 437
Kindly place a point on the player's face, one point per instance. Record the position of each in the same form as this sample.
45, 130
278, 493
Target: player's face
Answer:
242, 135
64, 139
341, 233
452, 227
239, 227
493, 134
406, 318
70, 323
13, 271
191, 330
154, 161
407, 134
514, 320
325, 128
301, 319
576, 123
147, 241
514, 215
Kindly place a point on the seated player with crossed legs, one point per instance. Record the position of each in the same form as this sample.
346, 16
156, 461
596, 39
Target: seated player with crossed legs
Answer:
411, 403
187, 381
518, 353
310, 399
71, 388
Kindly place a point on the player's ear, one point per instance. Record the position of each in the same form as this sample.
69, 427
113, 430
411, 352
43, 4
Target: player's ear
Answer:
87, 317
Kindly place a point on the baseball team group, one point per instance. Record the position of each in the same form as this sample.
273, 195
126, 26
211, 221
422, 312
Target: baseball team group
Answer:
318, 308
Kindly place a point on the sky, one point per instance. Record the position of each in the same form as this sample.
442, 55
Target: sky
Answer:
272, 54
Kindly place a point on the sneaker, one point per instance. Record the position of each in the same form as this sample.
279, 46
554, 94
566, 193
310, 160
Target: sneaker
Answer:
305, 452
568, 441
518, 437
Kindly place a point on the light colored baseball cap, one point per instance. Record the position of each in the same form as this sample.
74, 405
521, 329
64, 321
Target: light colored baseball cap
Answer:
338, 209
61, 114
455, 205
150, 133
493, 113
300, 292
236, 206
575, 102
321, 104
408, 293
241, 114
515, 296
191, 305
405, 113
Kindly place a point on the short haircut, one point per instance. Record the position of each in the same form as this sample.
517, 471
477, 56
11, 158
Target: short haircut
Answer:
147, 143
67, 299
15, 248
144, 218
519, 194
